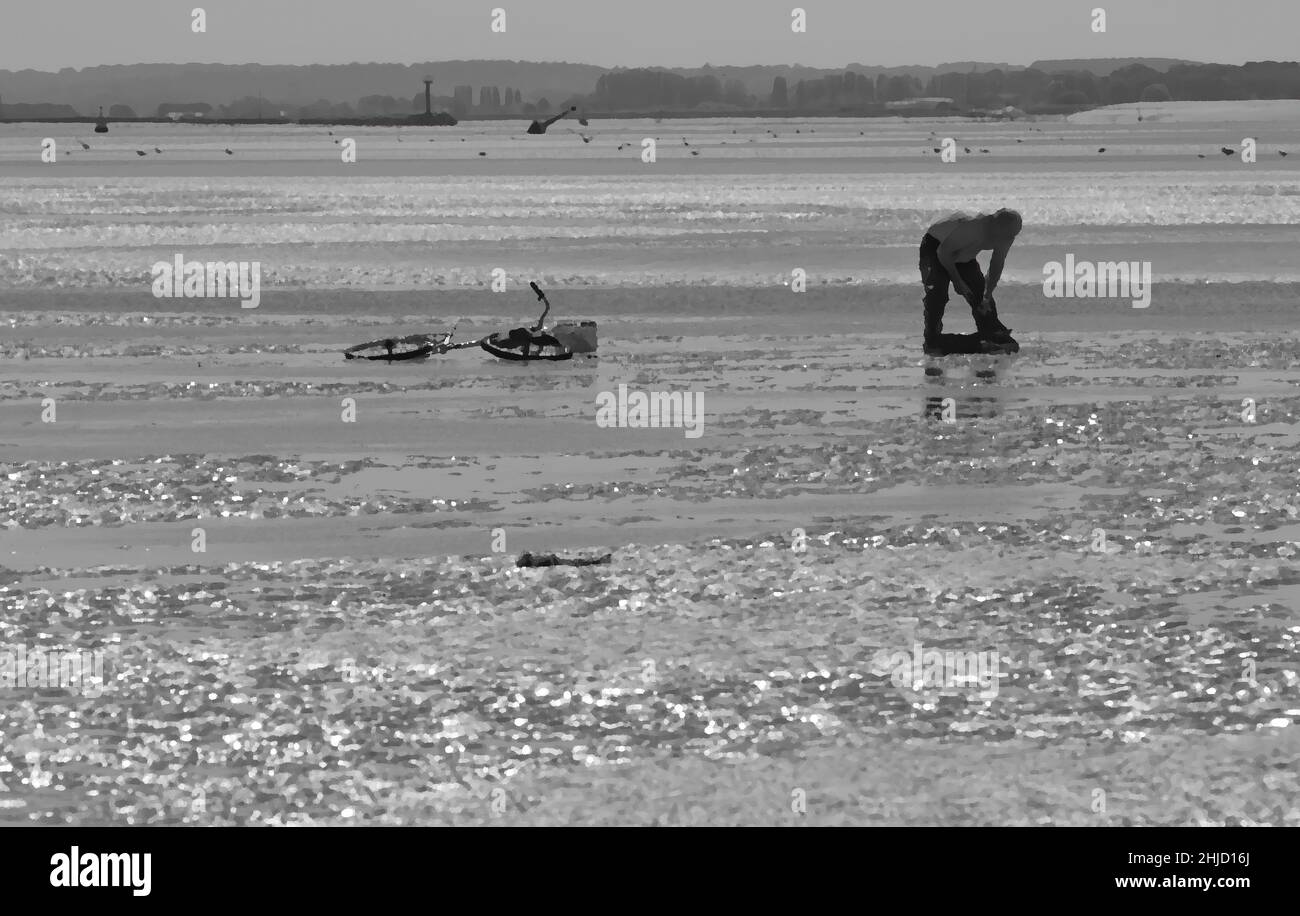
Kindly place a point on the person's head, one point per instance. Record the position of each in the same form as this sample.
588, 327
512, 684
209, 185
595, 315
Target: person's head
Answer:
1007, 224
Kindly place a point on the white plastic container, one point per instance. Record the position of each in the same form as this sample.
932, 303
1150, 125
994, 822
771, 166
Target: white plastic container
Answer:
577, 336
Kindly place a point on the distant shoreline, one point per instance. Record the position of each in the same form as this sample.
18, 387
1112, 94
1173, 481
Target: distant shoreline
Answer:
591, 116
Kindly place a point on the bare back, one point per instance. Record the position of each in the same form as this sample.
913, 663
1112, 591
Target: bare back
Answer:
964, 236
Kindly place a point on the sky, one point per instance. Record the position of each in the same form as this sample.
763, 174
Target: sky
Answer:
52, 34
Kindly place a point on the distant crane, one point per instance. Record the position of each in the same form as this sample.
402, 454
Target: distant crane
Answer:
539, 127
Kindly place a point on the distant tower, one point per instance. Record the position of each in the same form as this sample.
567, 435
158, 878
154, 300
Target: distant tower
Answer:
441, 119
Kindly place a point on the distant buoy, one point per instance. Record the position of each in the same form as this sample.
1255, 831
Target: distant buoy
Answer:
101, 123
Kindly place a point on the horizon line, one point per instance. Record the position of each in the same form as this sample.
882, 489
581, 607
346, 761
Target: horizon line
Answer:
707, 65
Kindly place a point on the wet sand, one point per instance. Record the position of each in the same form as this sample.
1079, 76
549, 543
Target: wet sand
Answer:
354, 643
968, 534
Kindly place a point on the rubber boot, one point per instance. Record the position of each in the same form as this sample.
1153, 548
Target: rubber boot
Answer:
932, 341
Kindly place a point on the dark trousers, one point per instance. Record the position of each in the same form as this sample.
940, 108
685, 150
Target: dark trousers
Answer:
936, 280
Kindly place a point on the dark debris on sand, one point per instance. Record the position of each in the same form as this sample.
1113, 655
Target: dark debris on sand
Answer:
550, 559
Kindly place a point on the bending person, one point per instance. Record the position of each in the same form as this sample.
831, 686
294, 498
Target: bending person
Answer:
948, 255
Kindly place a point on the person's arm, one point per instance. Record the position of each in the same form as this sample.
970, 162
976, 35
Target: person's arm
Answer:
947, 248
996, 263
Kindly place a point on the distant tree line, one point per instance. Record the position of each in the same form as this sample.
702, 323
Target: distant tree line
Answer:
640, 89
23, 110
656, 90
1031, 88
492, 100
1181, 83
661, 90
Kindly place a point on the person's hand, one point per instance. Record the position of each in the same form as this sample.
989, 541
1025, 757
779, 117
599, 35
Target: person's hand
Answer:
987, 304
